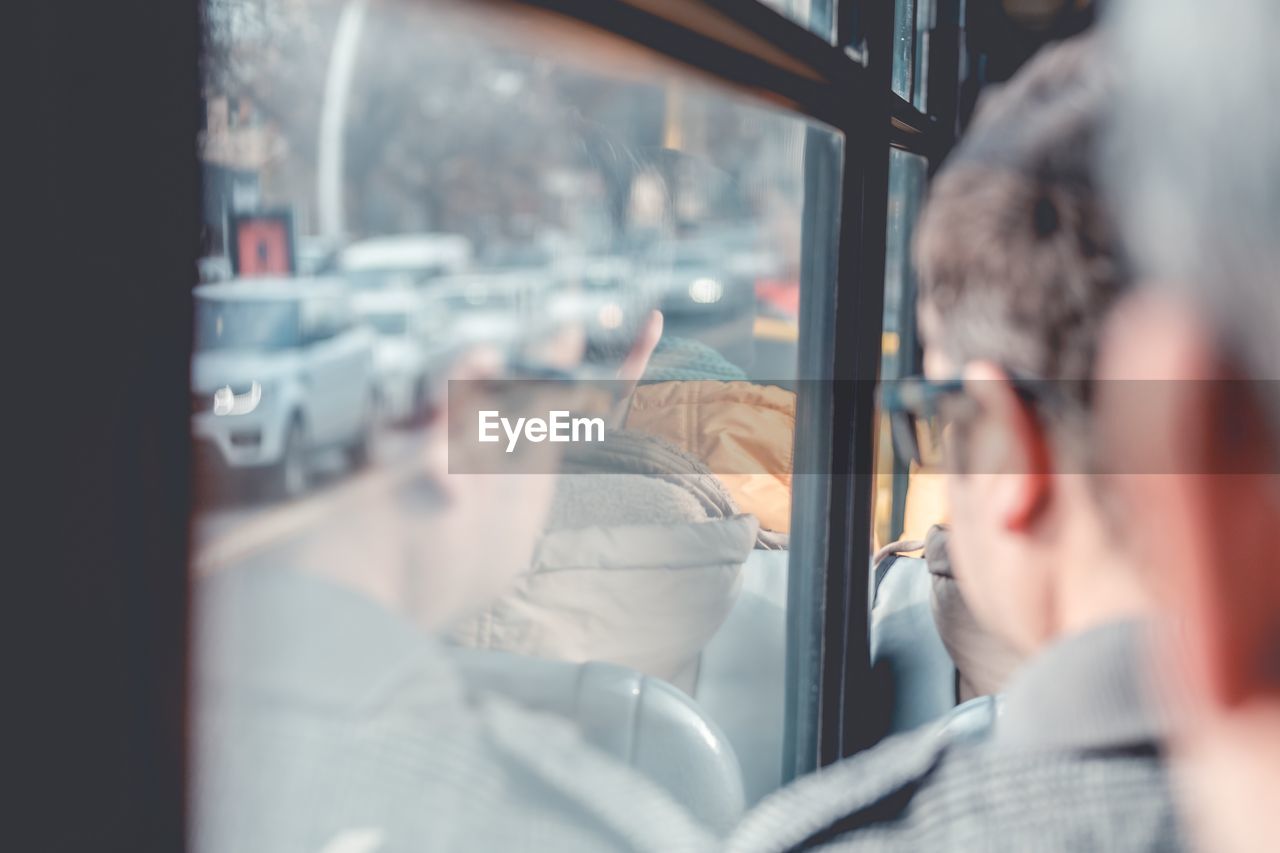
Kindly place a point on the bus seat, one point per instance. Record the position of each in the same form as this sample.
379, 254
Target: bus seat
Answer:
906, 651
642, 721
742, 674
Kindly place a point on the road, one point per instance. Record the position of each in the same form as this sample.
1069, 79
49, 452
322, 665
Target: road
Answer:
232, 530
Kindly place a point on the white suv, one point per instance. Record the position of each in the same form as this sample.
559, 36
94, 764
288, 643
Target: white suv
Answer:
281, 370
403, 260
400, 357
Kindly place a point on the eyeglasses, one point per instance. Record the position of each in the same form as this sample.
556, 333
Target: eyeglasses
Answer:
922, 412
914, 408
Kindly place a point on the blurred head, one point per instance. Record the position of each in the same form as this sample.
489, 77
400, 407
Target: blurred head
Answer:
1018, 269
1195, 158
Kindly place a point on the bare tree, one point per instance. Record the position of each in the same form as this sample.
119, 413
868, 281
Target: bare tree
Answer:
450, 129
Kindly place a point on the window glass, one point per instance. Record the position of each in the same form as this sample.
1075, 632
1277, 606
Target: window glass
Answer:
926, 21
238, 324
904, 47
907, 178
817, 15
913, 21
373, 602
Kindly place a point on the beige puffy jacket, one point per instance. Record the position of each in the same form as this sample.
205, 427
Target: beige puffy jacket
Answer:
640, 565
743, 432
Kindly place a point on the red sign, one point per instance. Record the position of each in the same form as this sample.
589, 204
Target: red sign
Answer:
262, 244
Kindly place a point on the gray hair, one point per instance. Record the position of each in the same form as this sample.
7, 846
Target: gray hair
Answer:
1194, 160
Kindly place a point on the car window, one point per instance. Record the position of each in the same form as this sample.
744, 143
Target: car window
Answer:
586, 199
388, 278
389, 324
322, 318
229, 324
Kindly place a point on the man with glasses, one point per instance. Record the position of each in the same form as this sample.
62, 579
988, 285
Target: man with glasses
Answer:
1018, 269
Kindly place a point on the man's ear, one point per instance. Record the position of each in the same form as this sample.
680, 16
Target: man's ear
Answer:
1009, 445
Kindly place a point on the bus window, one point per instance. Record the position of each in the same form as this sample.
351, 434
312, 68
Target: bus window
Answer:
913, 22
904, 47
909, 497
536, 223
899, 359
817, 15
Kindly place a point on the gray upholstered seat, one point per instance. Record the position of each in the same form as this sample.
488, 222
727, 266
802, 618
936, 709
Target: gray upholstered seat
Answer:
642, 721
906, 648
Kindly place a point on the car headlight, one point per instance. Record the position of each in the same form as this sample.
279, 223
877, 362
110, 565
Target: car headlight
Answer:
610, 315
705, 291
226, 402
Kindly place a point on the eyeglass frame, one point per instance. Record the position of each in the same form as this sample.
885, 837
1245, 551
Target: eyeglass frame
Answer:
913, 397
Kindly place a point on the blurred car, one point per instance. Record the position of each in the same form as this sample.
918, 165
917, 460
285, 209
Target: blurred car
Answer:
694, 280
595, 272
613, 295
317, 256
403, 260
494, 308
214, 268
281, 370
702, 300
403, 329
746, 248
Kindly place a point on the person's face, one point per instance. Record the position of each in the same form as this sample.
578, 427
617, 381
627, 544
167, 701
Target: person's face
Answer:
995, 484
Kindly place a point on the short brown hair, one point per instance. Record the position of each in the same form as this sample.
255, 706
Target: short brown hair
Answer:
1015, 251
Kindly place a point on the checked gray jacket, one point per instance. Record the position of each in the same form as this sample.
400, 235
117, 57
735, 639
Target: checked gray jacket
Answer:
1072, 764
